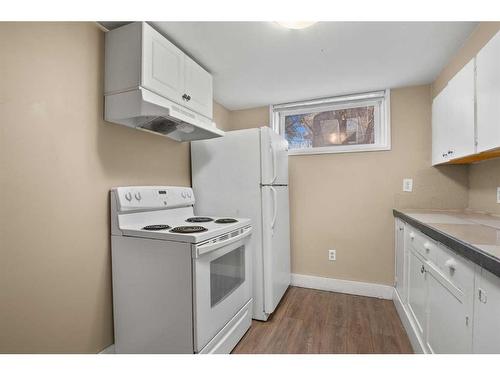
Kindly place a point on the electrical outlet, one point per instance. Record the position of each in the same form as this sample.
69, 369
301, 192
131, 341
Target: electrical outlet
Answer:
332, 255
408, 184
498, 194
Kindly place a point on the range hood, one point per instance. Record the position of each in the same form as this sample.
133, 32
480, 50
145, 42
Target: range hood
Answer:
144, 110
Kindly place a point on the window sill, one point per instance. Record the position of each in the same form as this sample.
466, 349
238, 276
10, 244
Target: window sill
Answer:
329, 150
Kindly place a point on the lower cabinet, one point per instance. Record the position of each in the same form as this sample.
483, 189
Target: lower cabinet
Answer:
401, 260
449, 328
417, 292
486, 313
451, 305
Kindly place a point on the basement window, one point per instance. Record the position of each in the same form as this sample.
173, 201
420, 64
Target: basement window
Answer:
351, 123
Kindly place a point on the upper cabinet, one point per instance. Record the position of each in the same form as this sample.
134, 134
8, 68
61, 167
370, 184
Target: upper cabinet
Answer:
162, 65
466, 113
198, 87
488, 95
453, 118
138, 55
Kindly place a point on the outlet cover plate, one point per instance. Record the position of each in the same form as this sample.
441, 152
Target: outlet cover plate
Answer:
332, 255
408, 184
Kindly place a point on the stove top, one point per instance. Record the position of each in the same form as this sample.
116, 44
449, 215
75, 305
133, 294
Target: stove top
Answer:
156, 227
189, 229
226, 221
145, 212
199, 219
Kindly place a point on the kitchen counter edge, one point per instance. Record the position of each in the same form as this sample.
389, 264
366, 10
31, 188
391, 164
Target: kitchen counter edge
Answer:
468, 251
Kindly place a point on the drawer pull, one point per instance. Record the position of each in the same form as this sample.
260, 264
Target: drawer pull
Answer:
412, 236
427, 246
451, 264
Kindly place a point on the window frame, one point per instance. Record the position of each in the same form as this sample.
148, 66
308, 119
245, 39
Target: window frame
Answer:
382, 130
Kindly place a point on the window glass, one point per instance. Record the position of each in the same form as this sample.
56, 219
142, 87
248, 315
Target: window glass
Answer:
340, 124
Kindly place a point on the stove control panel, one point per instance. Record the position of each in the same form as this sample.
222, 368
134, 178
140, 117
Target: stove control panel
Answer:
133, 198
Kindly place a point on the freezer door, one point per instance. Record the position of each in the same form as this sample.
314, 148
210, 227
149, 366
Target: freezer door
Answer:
276, 244
274, 149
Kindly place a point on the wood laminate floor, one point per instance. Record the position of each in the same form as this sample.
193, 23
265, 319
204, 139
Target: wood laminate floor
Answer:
314, 321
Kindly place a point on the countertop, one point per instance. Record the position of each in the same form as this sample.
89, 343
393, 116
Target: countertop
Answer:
476, 236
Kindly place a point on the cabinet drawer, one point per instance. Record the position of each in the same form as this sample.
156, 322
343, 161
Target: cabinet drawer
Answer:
458, 270
422, 244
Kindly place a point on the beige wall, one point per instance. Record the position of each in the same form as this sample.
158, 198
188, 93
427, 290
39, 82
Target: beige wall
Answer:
221, 116
249, 118
484, 177
345, 201
58, 162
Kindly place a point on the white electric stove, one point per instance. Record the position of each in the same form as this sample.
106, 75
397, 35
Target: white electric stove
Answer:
181, 283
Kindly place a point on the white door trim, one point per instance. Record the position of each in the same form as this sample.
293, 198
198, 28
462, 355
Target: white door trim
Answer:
343, 286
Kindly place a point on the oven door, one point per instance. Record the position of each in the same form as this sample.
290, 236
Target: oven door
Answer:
222, 282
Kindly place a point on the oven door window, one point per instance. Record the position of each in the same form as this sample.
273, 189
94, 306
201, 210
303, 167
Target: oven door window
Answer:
227, 273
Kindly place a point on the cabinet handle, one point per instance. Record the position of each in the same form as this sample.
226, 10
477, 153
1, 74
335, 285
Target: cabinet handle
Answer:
427, 247
450, 152
482, 296
422, 270
412, 236
451, 264
445, 155
186, 97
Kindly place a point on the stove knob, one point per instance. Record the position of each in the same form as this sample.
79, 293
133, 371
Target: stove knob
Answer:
128, 196
183, 194
138, 196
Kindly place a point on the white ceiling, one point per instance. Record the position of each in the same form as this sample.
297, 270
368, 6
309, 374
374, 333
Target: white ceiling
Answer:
261, 63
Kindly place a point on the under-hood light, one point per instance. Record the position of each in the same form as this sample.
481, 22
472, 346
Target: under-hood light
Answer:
296, 25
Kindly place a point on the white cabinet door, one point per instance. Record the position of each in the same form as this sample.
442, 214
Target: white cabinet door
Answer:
198, 88
461, 125
488, 95
440, 134
400, 253
417, 291
453, 123
162, 65
487, 313
449, 329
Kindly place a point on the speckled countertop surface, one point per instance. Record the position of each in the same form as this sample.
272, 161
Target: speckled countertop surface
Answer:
471, 234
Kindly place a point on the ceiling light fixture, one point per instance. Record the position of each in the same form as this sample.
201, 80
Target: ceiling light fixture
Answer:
296, 25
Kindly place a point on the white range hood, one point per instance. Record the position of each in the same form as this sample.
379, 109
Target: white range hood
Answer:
151, 85
145, 110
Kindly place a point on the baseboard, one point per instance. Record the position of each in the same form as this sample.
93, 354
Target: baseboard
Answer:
343, 286
411, 331
109, 350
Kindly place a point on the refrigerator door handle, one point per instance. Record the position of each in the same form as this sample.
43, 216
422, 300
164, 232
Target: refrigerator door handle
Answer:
275, 206
275, 162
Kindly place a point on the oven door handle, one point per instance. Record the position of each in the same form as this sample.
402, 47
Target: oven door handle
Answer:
203, 249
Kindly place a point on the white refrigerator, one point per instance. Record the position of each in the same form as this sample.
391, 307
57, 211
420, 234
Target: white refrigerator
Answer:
245, 174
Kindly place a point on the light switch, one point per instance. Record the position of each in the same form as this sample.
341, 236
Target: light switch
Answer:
408, 184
